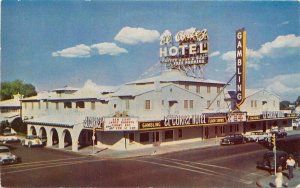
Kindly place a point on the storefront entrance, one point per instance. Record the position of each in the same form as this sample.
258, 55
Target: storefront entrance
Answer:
155, 138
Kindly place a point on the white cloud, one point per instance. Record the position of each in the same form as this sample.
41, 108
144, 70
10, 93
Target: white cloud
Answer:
282, 46
107, 48
286, 85
130, 35
285, 22
80, 50
216, 53
152, 71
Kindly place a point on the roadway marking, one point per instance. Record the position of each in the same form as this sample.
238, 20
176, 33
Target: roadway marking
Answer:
51, 166
212, 173
38, 162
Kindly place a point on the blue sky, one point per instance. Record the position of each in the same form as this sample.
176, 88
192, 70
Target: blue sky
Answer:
56, 43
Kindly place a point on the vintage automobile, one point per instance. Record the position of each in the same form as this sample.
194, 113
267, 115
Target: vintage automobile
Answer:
31, 141
279, 134
257, 136
6, 157
268, 161
233, 139
9, 137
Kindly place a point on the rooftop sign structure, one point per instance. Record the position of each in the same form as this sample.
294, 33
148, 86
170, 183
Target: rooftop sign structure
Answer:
187, 50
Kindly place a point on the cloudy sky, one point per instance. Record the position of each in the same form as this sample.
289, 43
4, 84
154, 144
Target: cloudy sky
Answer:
56, 43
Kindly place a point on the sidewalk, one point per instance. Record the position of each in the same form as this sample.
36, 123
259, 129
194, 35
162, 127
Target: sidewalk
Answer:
114, 154
270, 180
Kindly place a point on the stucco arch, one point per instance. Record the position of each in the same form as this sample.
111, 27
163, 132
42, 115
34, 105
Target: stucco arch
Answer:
66, 138
32, 130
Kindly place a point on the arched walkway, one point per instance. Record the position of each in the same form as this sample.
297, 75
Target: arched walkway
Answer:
85, 138
32, 131
66, 138
53, 139
43, 135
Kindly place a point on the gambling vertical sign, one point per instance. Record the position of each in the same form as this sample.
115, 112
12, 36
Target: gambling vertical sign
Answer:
240, 66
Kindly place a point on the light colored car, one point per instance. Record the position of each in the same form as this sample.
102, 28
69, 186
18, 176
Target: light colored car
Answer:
32, 140
9, 137
6, 157
257, 136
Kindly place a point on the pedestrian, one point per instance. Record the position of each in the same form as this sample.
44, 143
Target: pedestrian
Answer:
279, 178
290, 163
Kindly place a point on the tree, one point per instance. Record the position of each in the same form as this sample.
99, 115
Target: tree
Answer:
8, 89
284, 105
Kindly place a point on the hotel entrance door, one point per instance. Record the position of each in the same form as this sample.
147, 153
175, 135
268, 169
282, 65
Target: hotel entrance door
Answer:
155, 137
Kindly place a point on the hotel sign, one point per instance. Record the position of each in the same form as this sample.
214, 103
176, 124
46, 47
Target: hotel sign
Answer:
120, 124
272, 114
237, 117
188, 48
240, 66
179, 120
93, 122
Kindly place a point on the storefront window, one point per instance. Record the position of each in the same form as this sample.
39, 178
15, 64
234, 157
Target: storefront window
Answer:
253, 126
179, 133
144, 137
131, 137
169, 134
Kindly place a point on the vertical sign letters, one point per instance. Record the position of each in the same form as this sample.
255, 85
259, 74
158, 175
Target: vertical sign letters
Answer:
240, 66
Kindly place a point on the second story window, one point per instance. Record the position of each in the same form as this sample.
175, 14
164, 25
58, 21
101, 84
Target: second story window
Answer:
47, 104
80, 104
147, 105
191, 104
197, 89
67, 104
208, 89
56, 105
93, 105
127, 104
186, 104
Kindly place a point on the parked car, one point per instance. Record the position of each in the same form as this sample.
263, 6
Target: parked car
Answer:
233, 139
9, 137
43, 139
257, 136
32, 140
279, 134
268, 161
6, 157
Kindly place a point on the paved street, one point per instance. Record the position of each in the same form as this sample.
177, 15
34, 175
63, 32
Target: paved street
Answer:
216, 166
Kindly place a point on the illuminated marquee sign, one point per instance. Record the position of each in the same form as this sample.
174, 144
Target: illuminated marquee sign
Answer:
179, 120
237, 117
188, 48
240, 66
120, 124
93, 122
150, 125
272, 114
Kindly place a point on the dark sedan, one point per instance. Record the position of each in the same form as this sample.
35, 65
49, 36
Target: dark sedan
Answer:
279, 134
233, 139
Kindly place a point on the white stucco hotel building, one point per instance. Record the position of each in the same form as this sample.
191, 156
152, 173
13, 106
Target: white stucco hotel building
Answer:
167, 109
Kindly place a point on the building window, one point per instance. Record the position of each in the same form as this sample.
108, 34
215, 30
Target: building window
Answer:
208, 103
169, 134
218, 104
179, 133
187, 87
230, 128
255, 103
208, 89
264, 102
237, 128
67, 104
56, 106
163, 102
144, 137
216, 130
186, 104
131, 137
252, 104
147, 104
47, 104
93, 105
126, 104
197, 89
253, 126
191, 104
80, 104
115, 105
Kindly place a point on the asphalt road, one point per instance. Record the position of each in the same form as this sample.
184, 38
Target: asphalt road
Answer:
226, 166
